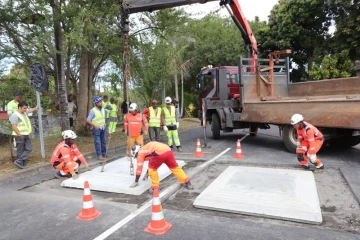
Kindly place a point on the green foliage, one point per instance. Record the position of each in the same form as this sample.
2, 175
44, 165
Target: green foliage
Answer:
336, 66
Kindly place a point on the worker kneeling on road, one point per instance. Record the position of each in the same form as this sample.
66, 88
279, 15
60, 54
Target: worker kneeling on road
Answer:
157, 153
309, 142
67, 158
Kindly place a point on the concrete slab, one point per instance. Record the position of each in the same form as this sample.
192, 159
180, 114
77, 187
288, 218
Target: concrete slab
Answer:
116, 178
274, 193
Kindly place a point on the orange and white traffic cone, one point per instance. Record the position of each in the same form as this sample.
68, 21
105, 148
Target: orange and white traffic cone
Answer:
157, 225
238, 153
198, 152
88, 211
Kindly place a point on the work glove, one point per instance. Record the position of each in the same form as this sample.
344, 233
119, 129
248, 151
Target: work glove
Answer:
165, 128
146, 132
87, 167
134, 184
75, 176
177, 125
125, 132
298, 144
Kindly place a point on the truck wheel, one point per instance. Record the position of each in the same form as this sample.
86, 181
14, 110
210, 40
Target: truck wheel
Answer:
215, 126
253, 130
290, 138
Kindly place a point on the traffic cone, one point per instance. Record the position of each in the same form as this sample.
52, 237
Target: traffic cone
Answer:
238, 153
88, 211
198, 152
157, 225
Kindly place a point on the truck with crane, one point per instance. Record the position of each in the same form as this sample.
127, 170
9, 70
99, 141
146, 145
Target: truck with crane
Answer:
258, 92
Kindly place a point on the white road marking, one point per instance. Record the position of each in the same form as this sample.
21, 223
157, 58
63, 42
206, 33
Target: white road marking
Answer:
167, 192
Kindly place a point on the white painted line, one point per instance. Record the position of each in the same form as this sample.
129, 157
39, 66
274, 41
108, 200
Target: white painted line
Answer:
148, 204
244, 137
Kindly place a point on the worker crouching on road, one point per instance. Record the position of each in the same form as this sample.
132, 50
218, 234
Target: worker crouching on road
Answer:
134, 123
309, 142
67, 158
157, 153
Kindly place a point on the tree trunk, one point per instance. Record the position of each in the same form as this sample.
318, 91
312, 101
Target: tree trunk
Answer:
182, 93
83, 95
91, 85
163, 94
68, 70
176, 87
62, 93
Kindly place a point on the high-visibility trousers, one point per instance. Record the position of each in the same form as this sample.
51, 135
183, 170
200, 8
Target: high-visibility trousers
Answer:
112, 125
64, 169
131, 142
303, 150
169, 160
170, 134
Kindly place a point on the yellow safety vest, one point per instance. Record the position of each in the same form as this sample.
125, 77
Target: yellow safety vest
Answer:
154, 119
113, 111
21, 125
107, 112
170, 118
99, 119
12, 107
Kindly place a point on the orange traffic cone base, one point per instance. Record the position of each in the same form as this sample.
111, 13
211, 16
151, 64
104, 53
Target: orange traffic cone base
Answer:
198, 154
81, 216
239, 155
158, 231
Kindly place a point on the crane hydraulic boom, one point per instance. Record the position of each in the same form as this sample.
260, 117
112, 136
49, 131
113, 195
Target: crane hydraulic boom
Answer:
233, 6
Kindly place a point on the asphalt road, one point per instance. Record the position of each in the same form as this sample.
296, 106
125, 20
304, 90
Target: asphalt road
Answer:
36, 207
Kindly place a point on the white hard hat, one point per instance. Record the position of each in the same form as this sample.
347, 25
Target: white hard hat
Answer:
69, 134
133, 107
296, 118
168, 100
135, 150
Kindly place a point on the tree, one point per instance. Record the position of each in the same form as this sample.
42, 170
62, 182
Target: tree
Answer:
333, 66
62, 93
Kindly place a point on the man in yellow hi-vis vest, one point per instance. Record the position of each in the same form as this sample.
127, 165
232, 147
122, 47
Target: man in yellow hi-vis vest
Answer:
153, 114
21, 126
96, 119
113, 116
171, 124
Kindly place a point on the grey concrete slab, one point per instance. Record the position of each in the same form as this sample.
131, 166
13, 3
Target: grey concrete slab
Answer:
116, 178
352, 178
275, 193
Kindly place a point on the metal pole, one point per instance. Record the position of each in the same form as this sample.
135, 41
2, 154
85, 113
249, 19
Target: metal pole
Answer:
41, 132
204, 121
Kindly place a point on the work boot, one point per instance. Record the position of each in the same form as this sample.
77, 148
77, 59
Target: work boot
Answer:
189, 186
59, 175
179, 148
19, 165
305, 167
101, 158
319, 169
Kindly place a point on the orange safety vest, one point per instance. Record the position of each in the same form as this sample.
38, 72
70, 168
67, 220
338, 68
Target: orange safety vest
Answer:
64, 153
309, 134
134, 124
150, 149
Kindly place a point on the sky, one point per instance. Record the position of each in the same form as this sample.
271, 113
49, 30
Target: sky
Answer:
250, 8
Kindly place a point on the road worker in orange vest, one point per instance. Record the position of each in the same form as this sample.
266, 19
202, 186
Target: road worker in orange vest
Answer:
157, 153
67, 158
134, 123
309, 142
